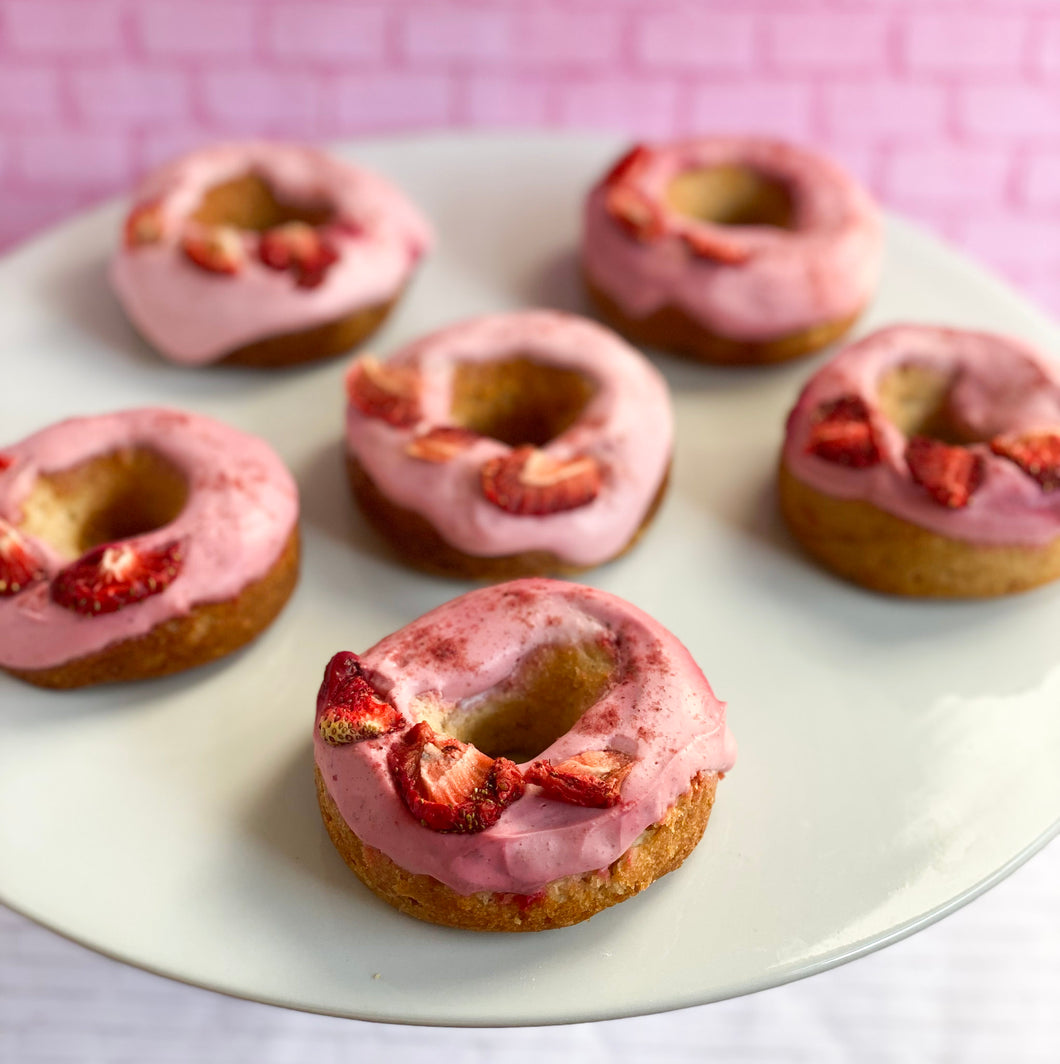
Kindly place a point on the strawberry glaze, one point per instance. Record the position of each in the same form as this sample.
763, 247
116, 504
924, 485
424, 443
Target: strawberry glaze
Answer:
1000, 385
195, 317
823, 269
627, 426
659, 709
241, 508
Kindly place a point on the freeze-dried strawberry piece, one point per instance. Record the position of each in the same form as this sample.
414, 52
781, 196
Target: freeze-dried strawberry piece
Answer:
632, 161
350, 709
531, 482
114, 576
452, 786
708, 245
441, 444
388, 392
842, 433
300, 248
215, 248
593, 778
6, 462
635, 212
145, 224
950, 474
1036, 453
19, 566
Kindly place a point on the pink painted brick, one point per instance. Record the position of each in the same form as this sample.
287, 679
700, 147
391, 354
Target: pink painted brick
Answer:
1040, 179
1009, 111
159, 146
126, 94
263, 101
780, 109
327, 32
696, 40
560, 36
197, 27
497, 100
364, 102
62, 26
28, 94
828, 41
641, 107
869, 110
1046, 46
73, 159
23, 212
449, 32
948, 175
973, 42
1020, 240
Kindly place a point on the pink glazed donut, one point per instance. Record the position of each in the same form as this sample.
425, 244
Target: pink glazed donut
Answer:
519, 758
518, 444
730, 249
264, 254
139, 543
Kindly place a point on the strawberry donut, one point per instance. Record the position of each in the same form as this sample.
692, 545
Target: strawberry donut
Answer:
519, 758
926, 461
138, 544
264, 255
512, 445
730, 249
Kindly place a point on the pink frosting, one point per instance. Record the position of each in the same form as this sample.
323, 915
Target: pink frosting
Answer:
241, 508
194, 316
823, 269
627, 426
659, 710
999, 386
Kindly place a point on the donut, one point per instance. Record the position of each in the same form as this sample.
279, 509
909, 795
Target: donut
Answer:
519, 444
264, 254
137, 544
926, 461
519, 758
730, 249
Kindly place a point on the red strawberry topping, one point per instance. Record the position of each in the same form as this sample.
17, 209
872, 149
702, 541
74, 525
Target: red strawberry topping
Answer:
708, 245
1037, 454
451, 786
632, 161
950, 474
441, 444
635, 212
300, 248
215, 248
6, 462
528, 481
19, 566
116, 575
351, 711
388, 392
842, 433
145, 224
593, 778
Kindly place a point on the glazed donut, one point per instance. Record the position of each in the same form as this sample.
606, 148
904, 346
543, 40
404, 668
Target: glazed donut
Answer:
138, 544
925, 461
517, 444
730, 249
264, 254
519, 758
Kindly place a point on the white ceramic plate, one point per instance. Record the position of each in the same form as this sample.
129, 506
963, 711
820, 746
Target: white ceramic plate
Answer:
896, 757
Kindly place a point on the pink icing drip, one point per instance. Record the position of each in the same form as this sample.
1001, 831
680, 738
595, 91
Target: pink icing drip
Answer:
628, 426
824, 269
1000, 386
661, 710
241, 509
195, 317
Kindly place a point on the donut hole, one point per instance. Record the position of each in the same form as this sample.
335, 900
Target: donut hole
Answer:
113, 496
542, 700
916, 399
518, 400
250, 202
731, 195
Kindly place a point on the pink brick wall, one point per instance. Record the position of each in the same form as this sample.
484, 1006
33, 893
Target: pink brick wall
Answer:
949, 109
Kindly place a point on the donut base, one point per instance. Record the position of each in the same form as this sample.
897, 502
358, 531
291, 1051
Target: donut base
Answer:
661, 849
207, 632
671, 329
877, 550
419, 544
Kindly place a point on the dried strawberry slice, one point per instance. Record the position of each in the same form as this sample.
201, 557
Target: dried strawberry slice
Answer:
593, 778
145, 224
19, 566
531, 482
6, 462
388, 392
300, 248
950, 474
215, 248
452, 786
116, 575
632, 161
441, 444
635, 212
707, 245
1036, 453
842, 433
350, 709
